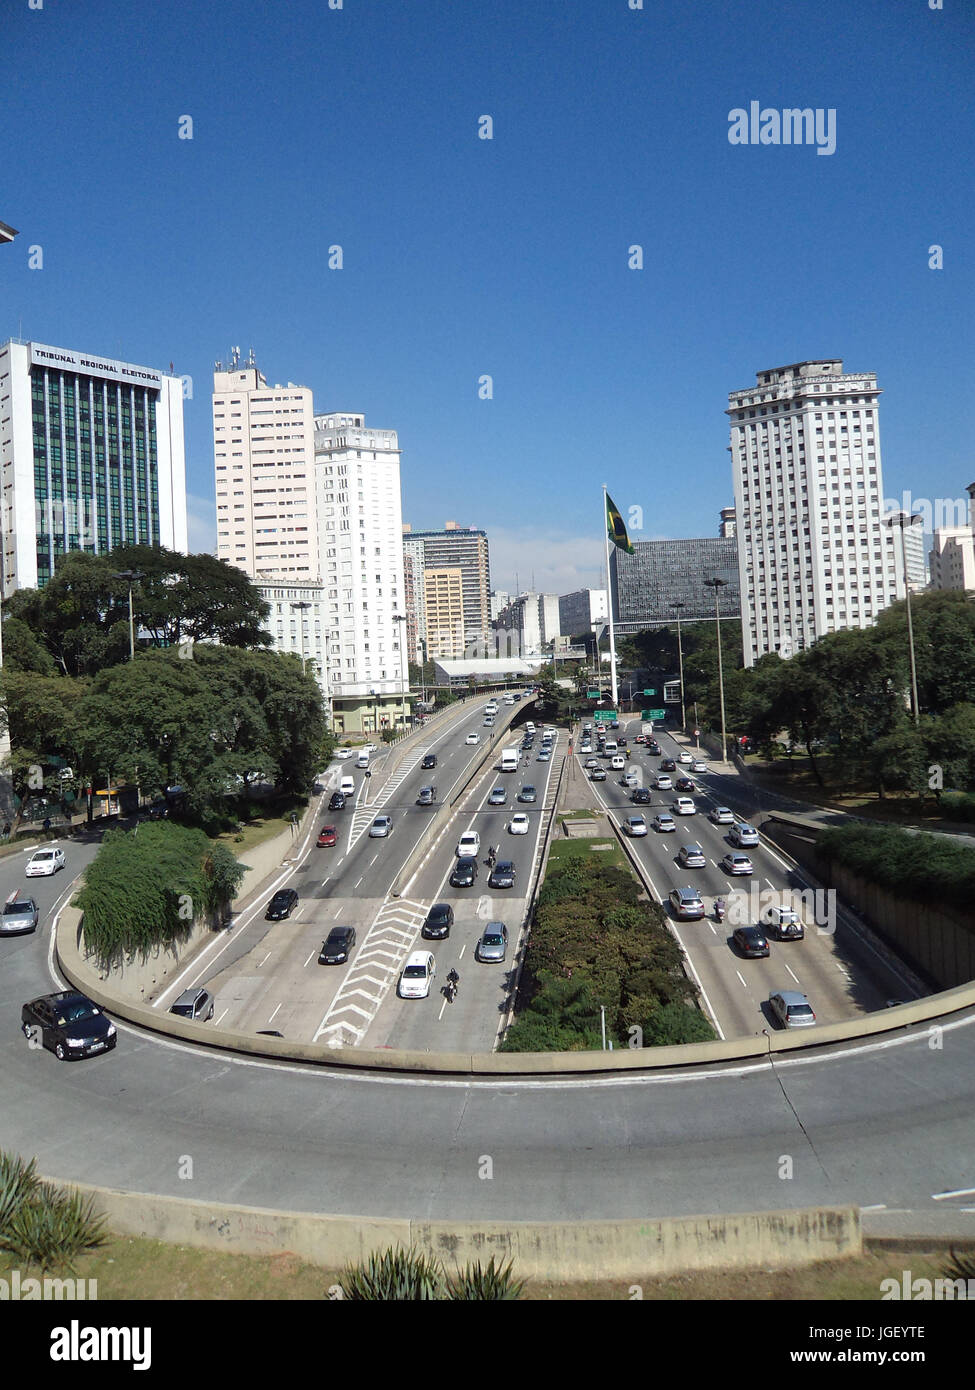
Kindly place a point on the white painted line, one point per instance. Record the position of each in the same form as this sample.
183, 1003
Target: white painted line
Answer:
267, 957
271, 1019
877, 1206
741, 977
336, 913
325, 880
310, 958
358, 881
221, 1017
957, 1192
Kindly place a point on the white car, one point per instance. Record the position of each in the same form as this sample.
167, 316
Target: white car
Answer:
700, 767
518, 825
664, 784
473, 738
44, 862
685, 757
635, 825
469, 845
743, 835
722, 815
419, 970
684, 806
664, 822
342, 753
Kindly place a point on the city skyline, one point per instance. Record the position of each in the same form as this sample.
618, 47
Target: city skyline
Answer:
515, 258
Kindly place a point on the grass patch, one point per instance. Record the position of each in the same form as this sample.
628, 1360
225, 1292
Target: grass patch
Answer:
608, 851
578, 815
263, 824
151, 1270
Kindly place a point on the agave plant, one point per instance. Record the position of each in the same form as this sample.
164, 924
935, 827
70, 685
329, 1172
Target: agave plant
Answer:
395, 1276
44, 1225
485, 1283
960, 1266
18, 1185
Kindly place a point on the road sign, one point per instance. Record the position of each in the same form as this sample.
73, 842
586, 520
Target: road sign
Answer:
648, 715
593, 694
697, 733
654, 691
605, 716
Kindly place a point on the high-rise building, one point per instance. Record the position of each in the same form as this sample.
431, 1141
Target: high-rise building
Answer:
297, 621
466, 549
497, 599
444, 609
415, 592
582, 610
660, 574
814, 554
535, 618
953, 553
91, 457
726, 526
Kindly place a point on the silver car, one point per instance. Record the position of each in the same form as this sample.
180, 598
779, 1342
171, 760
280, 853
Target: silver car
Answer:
381, 827
743, 834
19, 915
493, 942
792, 1009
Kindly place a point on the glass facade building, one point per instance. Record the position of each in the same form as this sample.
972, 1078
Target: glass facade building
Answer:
659, 574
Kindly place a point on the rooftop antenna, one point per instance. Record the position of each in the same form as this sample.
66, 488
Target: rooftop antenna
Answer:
251, 359
234, 358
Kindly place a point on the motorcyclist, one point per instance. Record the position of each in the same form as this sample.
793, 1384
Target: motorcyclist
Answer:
720, 908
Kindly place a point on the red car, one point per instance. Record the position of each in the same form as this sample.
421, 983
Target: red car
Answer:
327, 836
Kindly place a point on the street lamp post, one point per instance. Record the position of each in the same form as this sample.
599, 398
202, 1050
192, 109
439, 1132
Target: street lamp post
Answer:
717, 585
131, 577
302, 606
680, 657
903, 519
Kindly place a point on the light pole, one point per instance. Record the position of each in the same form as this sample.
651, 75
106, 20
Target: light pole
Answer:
301, 606
903, 519
131, 577
680, 657
717, 585
375, 714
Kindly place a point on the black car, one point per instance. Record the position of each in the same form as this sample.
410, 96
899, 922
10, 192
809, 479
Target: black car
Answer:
336, 946
653, 747
502, 875
440, 919
751, 941
281, 905
684, 784
336, 802
68, 1024
528, 794
465, 872
429, 760
668, 765
641, 797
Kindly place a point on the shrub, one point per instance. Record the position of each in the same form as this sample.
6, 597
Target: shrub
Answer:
41, 1224
410, 1276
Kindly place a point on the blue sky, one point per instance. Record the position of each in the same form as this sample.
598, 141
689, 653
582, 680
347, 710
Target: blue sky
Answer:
507, 257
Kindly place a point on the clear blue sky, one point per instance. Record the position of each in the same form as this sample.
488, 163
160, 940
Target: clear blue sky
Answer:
507, 257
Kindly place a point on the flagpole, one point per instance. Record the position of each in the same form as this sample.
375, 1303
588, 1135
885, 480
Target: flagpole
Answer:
609, 602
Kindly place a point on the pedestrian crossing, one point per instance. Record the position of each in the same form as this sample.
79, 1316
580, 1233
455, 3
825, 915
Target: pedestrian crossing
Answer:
374, 969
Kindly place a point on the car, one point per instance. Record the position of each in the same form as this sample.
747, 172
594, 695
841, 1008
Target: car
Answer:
19, 915
465, 872
743, 834
699, 767
641, 796
44, 862
664, 822
783, 924
281, 905
68, 1024
691, 856
343, 753
488, 721
629, 780
635, 825
492, 943
427, 796
381, 827
468, 844
498, 797
336, 802
337, 946
326, 836
518, 824
544, 756
792, 1009
194, 1004
722, 815
668, 765
429, 760
751, 941
419, 970
684, 784
528, 793
653, 748
684, 806
598, 774
687, 904
640, 738
502, 875
737, 864
664, 784
684, 757
592, 762
473, 738
439, 920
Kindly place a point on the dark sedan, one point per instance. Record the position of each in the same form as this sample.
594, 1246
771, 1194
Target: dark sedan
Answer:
668, 765
641, 797
429, 760
67, 1024
751, 941
465, 872
440, 919
337, 946
281, 905
336, 802
684, 784
502, 875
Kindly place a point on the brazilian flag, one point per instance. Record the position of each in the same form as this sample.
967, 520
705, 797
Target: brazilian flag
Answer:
614, 524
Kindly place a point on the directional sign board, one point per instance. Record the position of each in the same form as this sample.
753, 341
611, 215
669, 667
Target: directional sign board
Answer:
648, 715
593, 694
605, 716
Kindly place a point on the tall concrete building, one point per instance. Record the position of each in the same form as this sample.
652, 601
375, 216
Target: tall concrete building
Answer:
582, 610
535, 618
953, 554
444, 613
297, 622
726, 526
91, 457
466, 549
648, 584
814, 555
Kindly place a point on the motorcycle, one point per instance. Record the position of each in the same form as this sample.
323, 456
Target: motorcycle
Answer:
719, 910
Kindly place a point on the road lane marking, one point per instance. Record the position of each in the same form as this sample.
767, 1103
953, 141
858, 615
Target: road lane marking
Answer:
267, 957
271, 1019
310, 958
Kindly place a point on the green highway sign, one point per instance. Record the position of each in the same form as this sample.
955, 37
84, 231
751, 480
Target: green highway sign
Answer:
605, 716
593, 694
650, 692
648, 715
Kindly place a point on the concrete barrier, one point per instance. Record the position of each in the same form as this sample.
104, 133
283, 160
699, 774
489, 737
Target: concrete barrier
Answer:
625, 1250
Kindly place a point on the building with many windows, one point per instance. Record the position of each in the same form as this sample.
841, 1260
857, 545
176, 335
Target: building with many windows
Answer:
464, 548
297, 622
534, 618
659, 575
582, 610
91, 457
814, 554
444, 613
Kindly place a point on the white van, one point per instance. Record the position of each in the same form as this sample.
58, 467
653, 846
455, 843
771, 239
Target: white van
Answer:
611, 747
347, 786
509, 760
618, 763
529, 727
363, 759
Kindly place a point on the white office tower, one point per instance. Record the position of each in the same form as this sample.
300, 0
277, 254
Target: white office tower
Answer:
360, 520
264, 453
814, 554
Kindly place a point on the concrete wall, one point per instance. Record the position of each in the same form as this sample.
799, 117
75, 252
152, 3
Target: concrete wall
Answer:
137, 979
541, 1250
935, 939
